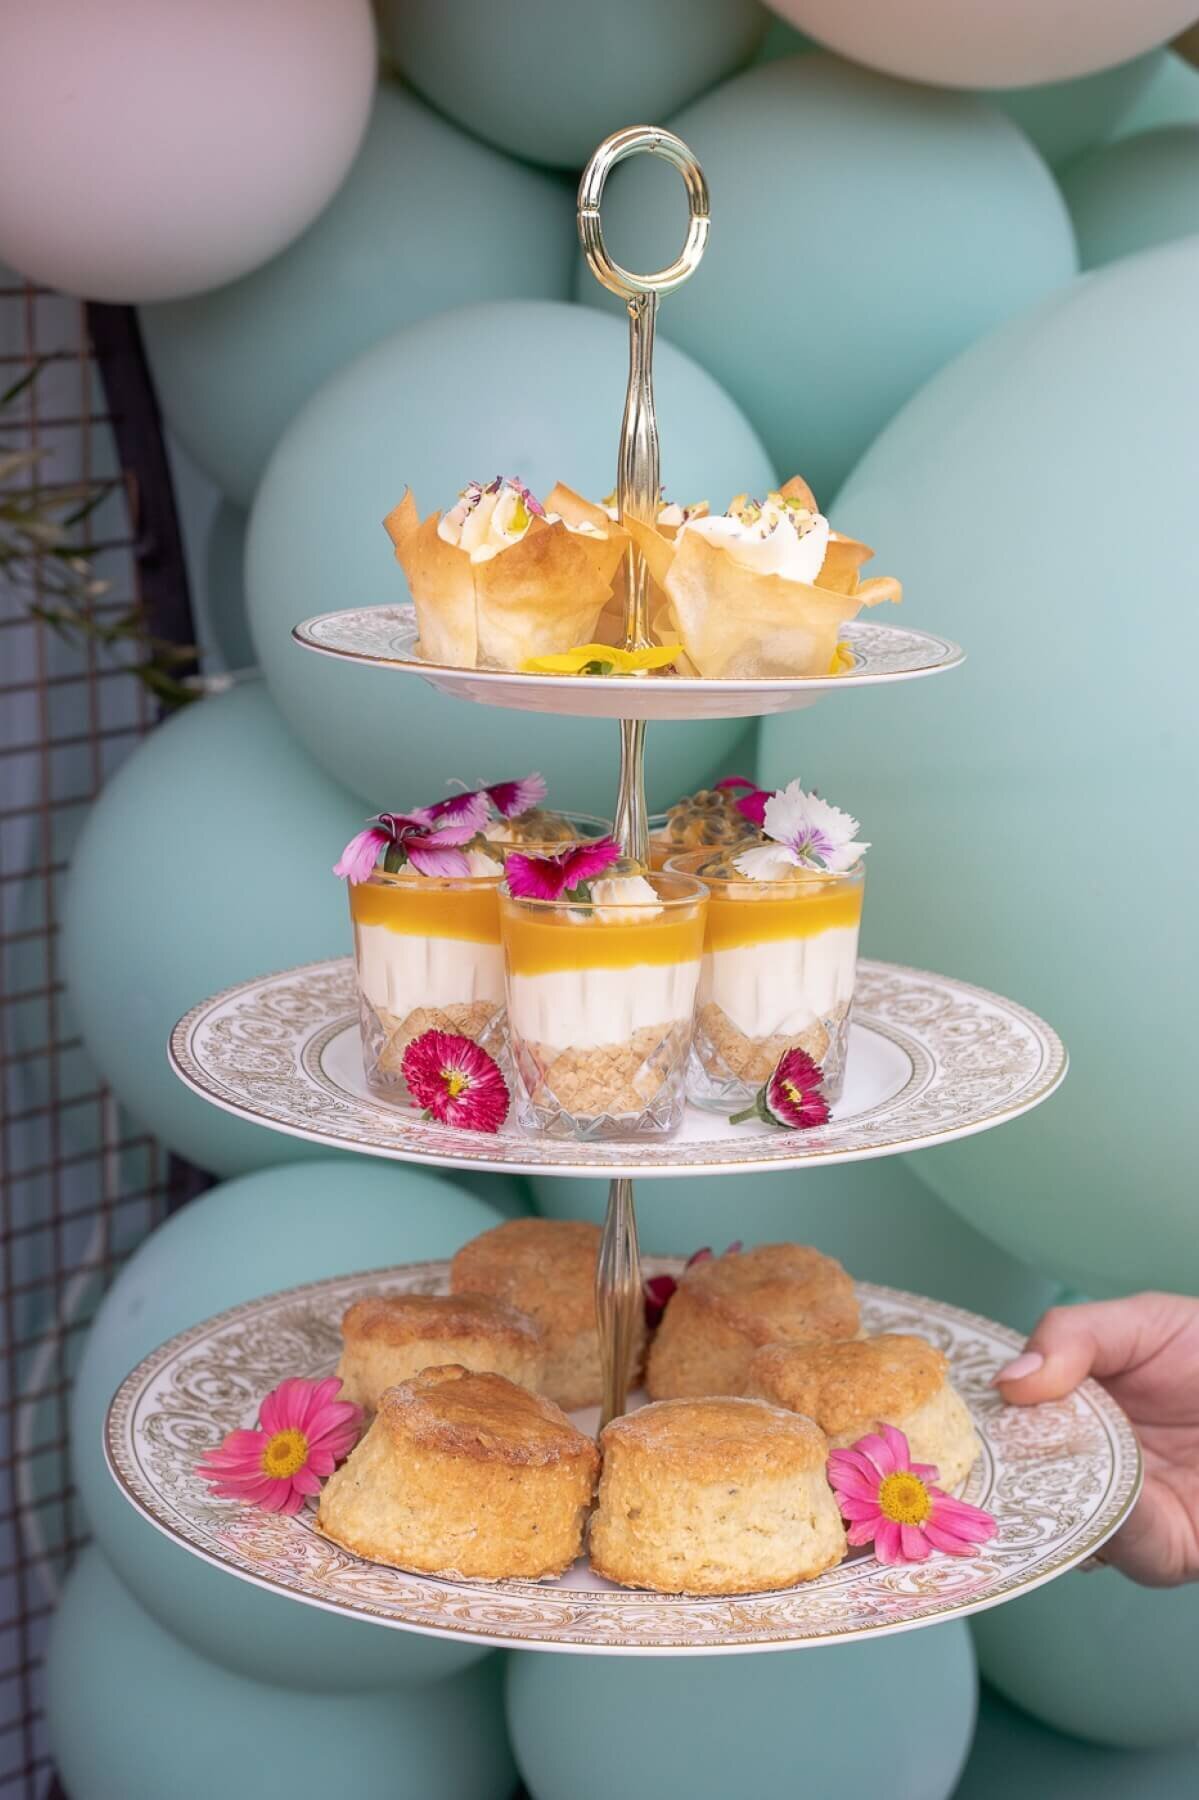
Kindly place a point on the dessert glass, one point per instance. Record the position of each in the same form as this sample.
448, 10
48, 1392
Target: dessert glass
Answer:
428, 958
780, 961
601, 1000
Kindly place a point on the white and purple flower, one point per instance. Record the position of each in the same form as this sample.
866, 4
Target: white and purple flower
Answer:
808, 833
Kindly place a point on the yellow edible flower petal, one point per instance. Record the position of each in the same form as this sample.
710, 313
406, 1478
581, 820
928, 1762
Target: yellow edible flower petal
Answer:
842, 659
620, 662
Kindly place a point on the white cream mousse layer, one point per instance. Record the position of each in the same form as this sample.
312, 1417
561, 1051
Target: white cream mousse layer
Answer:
399, 971
583, 1009
780, 986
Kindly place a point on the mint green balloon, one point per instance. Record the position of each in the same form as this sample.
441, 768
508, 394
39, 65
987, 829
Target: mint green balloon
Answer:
527, 387
1051, 1652
224, 595
1132, 195
1012, 1754
1030, 811
855, 1721
426, 219
133, 1714
863, 232
244, 1238
549, 81
1064, 118
877, 1218
205, 860
1171, 98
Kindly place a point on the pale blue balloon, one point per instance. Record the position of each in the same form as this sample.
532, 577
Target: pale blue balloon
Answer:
1064, 118
877, 1218
1012, 1755
1132, 195
1030, 812
1050, 1652
426, 219
528, 387
244, 1238
207, 859
133, 1714
553, 79
863, 231
225, 587
854, 1721
1171, 98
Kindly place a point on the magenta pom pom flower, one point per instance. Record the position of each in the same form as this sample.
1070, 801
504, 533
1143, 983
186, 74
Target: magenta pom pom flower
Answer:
566, 874
303, 1432
889, 1501
456, 1081
660, 1288
793, 1096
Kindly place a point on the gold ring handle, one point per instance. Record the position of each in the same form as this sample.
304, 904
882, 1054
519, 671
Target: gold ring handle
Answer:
614, 149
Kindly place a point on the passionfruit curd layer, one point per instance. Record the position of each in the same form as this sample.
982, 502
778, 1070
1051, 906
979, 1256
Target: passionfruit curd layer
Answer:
547, 942
426, 907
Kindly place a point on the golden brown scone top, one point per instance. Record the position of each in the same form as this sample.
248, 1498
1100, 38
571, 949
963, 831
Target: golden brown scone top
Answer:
707, 1439
449, 1408
842, 1385
401, 1318
778, 1290
546, 1267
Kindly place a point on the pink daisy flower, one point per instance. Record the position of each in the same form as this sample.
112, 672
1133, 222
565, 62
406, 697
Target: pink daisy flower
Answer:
660, 1288
303, 1432
889, 1501
551, 877
456, 1081
793, 1096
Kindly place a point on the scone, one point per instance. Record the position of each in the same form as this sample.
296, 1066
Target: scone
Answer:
464, 1475
388, 1337
726, 1308
546, 1267
851, 1389
719, 1496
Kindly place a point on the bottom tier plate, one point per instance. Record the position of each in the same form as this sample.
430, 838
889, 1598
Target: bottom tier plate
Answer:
1059, 1479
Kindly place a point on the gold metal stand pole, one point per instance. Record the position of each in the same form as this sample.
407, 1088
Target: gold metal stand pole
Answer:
618, 1292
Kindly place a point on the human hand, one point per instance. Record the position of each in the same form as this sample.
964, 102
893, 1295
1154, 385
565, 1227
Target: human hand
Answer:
1145, 1351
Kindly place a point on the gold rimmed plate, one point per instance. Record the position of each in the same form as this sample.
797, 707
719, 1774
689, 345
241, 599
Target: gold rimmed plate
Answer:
386, 637
930, 1060
1059, 1479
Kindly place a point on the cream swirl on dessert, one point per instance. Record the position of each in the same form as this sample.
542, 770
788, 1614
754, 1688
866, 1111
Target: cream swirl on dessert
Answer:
777, 536
485, 520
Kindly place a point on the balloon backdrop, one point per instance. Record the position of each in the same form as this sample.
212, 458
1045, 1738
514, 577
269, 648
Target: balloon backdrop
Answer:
427, 219
148, 152
1064, 118
529, 386
551, 88
1131, 195
248, 1237
1035, 796
925, 218
1000, 44
1171, 98
225, 587
1012, 1754
877, 1218
894, 1717
135, 1715
206, 859
1051, 1653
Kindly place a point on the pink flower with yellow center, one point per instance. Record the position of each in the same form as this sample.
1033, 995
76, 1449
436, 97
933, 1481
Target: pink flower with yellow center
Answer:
303, 1432
792, 1097
456, 1081
889, 1501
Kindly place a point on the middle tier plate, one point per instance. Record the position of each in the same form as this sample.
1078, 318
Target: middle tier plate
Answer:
931, 1059
386, 637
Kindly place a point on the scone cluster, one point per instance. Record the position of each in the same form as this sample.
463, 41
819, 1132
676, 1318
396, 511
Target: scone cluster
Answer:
472, 1469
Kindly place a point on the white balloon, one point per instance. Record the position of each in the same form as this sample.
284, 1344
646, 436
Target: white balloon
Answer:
149, 151
988, 43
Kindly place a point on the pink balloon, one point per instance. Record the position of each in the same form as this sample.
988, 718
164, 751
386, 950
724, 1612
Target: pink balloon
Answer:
154, 148
988, 43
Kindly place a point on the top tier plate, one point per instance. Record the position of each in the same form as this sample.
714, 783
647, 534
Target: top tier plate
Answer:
386, 638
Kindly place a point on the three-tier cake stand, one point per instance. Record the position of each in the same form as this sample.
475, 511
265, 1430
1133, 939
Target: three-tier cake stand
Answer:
931, 1059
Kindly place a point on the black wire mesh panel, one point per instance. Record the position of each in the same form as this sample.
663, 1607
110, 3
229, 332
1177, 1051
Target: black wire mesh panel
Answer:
80, 1184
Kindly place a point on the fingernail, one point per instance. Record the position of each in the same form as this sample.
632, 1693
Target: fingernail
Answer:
1027, 1363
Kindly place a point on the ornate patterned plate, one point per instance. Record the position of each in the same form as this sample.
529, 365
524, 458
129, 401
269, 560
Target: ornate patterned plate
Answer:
1058, 1478
386, 637
930, 1059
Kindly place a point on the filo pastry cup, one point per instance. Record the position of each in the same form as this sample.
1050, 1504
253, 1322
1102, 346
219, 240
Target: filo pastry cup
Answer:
733, 621
537, 596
